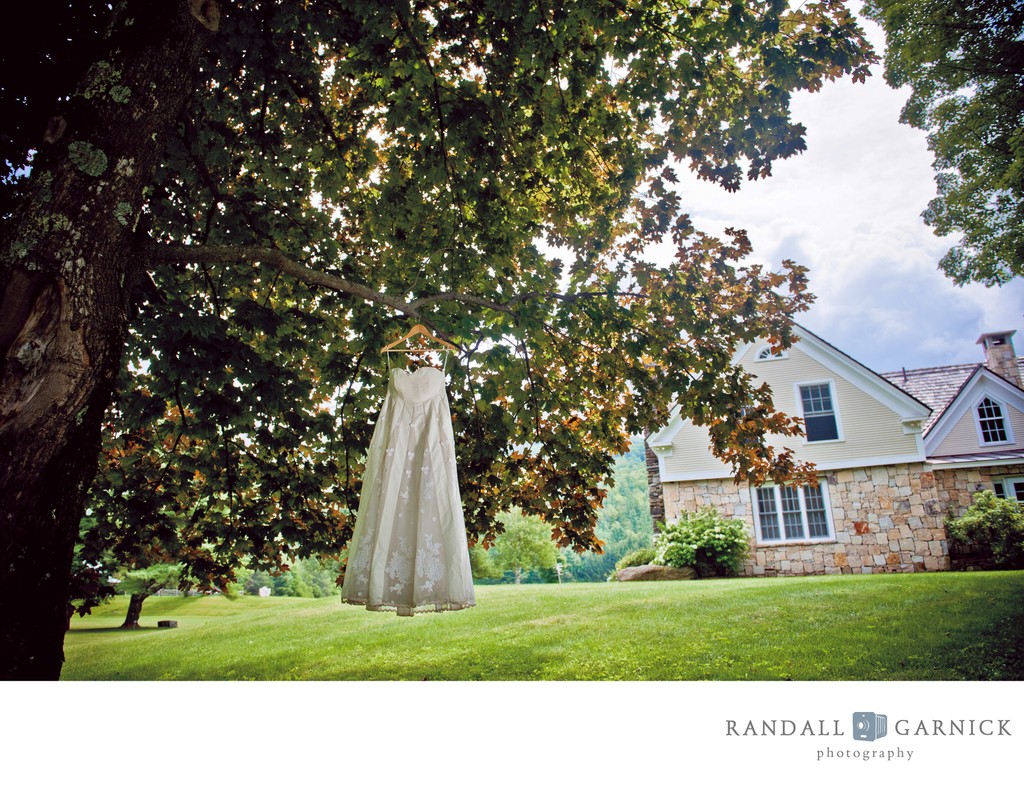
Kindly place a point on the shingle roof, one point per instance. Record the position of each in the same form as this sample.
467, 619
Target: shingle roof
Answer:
936, 386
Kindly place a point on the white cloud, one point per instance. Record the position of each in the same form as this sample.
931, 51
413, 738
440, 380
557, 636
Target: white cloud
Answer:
849, 209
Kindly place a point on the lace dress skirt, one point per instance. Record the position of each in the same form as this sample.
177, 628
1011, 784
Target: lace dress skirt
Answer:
408, 552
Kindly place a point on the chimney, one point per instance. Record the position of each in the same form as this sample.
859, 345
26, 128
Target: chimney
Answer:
999, 355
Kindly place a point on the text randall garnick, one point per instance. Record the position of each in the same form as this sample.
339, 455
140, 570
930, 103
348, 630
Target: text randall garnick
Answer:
779, 727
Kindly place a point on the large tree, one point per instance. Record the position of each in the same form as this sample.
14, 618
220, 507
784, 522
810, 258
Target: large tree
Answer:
964, 63
253, 198
70, 260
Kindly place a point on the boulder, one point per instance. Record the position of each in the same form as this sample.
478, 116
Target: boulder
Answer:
655, 573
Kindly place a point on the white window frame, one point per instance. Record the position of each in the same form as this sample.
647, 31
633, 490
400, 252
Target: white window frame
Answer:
798, 397
1007, 484
783, 539
1005, 412
764, 354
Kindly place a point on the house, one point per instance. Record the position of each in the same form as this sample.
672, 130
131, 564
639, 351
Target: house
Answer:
896, 454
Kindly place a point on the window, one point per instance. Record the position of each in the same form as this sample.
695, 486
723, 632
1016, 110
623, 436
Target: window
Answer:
820, 421
767, 514
1009, 487
767, 354
993, 428
788, 513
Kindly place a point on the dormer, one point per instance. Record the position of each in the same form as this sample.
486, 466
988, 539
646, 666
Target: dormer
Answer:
986, 416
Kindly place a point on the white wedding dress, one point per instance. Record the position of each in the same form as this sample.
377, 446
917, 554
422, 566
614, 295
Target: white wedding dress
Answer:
408, 552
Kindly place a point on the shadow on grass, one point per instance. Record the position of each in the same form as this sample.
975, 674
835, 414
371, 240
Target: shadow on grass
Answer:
139, 629
997, 655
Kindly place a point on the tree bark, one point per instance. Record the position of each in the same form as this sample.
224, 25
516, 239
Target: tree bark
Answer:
67, 266
131, 619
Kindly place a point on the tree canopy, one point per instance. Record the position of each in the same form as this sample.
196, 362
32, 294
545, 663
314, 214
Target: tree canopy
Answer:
964, 63
499, 170
524, 544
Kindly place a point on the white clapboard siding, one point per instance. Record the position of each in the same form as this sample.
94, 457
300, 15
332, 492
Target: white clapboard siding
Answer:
963, 438
870, 430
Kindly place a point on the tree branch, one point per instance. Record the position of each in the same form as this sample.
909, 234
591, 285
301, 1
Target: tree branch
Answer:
272, 257
228, 255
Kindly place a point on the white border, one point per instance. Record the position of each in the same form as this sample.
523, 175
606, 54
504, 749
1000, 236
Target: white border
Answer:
52, 717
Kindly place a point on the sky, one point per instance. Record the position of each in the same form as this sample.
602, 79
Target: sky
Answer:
849, 209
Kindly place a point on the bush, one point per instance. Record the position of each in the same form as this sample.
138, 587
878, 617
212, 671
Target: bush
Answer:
704, 539
995, 523
637, 557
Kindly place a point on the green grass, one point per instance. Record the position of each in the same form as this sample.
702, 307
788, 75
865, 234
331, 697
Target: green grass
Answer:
937, 626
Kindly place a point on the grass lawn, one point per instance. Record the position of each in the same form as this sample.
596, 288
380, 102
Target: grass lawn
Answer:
935, 626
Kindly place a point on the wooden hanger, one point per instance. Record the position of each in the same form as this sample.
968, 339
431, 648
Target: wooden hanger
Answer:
422, 331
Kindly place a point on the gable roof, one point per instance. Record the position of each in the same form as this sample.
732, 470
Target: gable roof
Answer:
937, 386
911, 410
982, 381
909, 407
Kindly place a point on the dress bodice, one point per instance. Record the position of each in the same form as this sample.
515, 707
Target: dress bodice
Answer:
422, 384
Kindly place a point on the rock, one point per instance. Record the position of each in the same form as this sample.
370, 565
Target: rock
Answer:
655, 573
167, 624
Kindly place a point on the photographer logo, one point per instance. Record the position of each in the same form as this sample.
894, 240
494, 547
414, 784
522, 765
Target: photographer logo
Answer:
869, 726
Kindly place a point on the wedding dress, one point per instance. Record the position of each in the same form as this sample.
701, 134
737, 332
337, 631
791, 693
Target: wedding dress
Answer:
408, 552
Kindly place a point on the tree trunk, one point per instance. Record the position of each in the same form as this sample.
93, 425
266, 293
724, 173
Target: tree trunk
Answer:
131, 619
67, 266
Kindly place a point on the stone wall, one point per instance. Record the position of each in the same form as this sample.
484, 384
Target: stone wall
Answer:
956, 489
886, 519
655, 493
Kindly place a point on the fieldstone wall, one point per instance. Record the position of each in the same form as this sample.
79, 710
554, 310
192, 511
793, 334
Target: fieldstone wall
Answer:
655, 492
956, 489
886, 519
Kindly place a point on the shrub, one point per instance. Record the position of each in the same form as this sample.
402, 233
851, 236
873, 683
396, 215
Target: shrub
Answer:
637, 557
704, 537
996, 523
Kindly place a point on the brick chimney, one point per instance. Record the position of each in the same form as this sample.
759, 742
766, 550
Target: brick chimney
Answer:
999, 355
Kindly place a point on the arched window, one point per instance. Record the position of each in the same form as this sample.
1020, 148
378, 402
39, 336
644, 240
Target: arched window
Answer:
766, 354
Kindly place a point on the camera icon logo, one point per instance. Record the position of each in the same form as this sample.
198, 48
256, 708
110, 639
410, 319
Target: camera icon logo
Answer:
869, 726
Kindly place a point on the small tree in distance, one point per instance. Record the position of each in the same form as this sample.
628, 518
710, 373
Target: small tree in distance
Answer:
144, 582
525, 544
